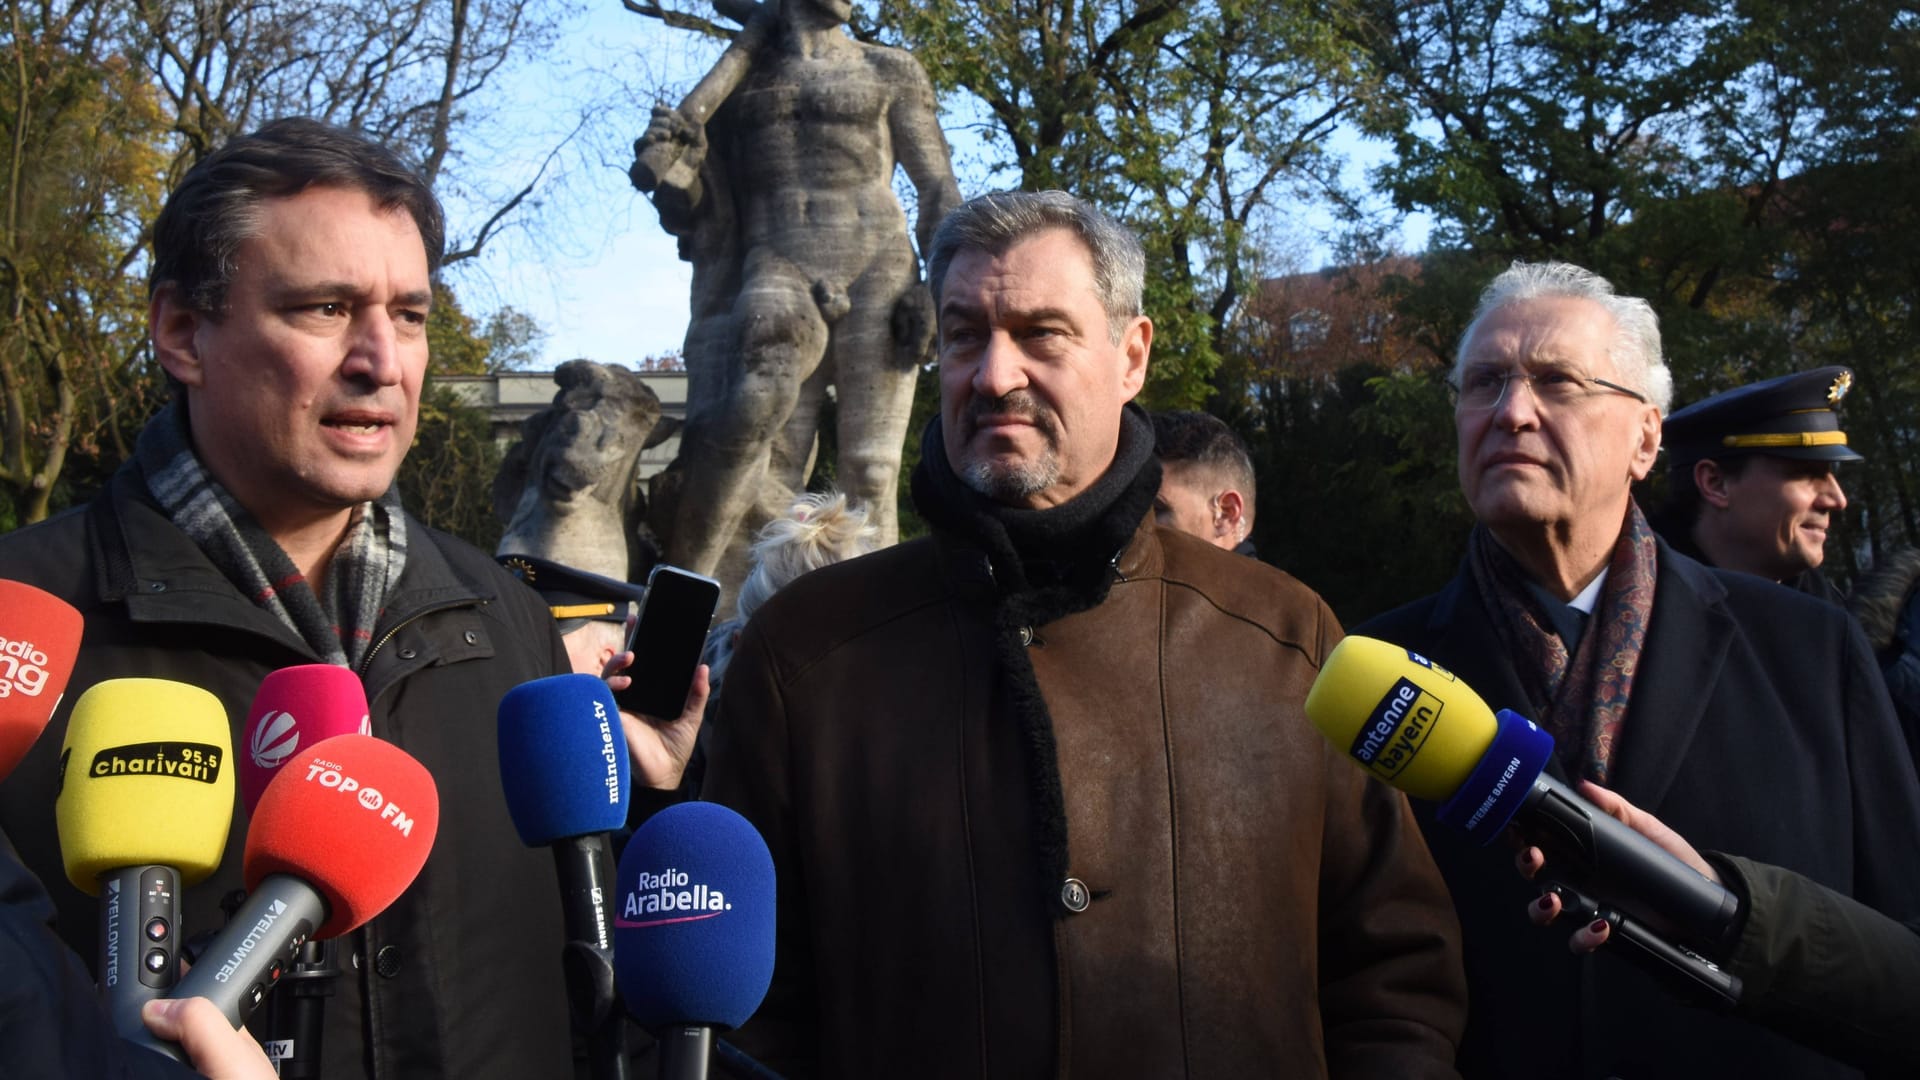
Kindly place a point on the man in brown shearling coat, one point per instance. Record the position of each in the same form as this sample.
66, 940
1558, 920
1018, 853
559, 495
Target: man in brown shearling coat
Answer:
1040, 792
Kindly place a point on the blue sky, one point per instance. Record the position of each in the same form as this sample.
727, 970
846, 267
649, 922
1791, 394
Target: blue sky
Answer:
590, 261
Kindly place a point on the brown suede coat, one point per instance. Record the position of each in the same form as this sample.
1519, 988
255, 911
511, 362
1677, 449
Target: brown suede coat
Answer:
1259, 907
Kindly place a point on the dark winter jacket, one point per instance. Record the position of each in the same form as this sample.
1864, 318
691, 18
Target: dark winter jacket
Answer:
1888, 606
1828, 971
1757, 724
461, 976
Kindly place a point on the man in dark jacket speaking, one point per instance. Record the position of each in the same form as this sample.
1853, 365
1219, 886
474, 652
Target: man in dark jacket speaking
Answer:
1039, 787
257, 527
1748, 716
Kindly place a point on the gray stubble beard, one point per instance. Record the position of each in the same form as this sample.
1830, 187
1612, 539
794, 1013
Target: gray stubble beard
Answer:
1012, 481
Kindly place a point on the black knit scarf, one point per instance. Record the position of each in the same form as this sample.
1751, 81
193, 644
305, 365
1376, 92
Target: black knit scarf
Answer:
1046, 564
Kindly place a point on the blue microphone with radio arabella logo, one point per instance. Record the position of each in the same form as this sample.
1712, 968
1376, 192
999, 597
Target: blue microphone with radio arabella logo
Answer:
693, 930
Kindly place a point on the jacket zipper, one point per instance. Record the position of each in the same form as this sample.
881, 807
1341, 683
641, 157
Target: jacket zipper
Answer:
366, 662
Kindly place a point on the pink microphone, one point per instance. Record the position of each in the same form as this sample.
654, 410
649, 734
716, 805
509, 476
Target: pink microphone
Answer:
294, 708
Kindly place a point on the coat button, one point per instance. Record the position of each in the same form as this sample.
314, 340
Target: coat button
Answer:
156, 586
408, 654
473, 637
1074, 895
387, 961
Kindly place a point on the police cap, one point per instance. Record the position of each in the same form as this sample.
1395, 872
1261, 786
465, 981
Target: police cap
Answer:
575, 596
1793, 416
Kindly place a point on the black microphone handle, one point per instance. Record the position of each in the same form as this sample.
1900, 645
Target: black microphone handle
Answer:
685, 1050
296, 1016
251, 954
139, 941
585, 866
1694, 978
1602, 856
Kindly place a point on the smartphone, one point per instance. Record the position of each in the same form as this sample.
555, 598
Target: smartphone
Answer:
667, 640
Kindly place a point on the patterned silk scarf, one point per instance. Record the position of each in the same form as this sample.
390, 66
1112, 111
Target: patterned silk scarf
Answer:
365, 567
1580, 699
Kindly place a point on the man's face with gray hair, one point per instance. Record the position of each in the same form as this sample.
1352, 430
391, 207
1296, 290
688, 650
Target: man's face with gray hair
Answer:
1032, 382
1537, 459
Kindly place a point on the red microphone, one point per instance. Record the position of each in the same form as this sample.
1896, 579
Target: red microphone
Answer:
39, 639
338, 835
295, 708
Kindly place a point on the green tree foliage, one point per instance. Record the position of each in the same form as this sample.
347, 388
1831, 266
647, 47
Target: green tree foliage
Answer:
1743, 167
1850, 270
106, 103
83, 150
1353, 455
454, 343
513, 340
1189, 119
447, 479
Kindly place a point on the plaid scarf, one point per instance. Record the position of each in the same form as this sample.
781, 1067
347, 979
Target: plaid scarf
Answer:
338, 626
1581, 698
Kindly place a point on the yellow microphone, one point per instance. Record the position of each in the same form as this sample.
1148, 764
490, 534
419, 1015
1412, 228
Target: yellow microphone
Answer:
144, 802
1406, 719
1415, 725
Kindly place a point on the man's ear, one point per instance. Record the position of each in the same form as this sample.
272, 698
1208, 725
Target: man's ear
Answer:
173, 324
1646, 449
1135, 344
1712, 482
1229, 515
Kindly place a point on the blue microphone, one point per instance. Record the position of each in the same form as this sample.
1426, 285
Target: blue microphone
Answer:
563, 758
693, 933
563, 765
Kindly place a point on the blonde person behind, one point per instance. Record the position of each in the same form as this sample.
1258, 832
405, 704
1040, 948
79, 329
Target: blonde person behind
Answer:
820, 528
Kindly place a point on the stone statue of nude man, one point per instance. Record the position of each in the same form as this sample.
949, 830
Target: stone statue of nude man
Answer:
776, 174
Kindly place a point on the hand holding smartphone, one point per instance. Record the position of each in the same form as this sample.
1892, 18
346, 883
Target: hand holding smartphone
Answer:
667, 641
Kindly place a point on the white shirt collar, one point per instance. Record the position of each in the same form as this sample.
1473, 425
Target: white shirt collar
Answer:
1590, 595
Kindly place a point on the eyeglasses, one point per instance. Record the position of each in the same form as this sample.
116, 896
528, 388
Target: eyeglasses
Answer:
1486, 388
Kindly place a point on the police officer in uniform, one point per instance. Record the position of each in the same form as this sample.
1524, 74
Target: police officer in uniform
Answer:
1752, 484
595, 613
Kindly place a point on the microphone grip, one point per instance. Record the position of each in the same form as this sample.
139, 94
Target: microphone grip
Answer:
1691, 976
585, 865
1599, 854
296, 1015
685, 1050
250, 955
139, 941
